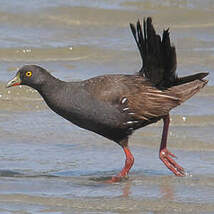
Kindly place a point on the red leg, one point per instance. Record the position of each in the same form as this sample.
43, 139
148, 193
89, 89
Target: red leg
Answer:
165, 154
128, 164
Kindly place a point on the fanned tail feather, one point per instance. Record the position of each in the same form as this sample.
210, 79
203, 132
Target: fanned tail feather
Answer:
158, 56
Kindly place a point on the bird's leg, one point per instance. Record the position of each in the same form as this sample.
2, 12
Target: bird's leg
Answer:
165, 155
128, 164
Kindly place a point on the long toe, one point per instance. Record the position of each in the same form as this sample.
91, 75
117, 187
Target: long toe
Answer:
171, 163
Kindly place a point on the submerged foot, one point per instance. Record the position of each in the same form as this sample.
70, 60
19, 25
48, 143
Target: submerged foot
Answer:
117, 178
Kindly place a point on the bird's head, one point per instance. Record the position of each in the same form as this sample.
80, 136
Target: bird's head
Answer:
30, 75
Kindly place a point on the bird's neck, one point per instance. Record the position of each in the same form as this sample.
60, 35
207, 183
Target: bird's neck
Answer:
50, 86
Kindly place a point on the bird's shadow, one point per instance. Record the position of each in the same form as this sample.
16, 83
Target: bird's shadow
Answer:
9, 173
93, 175
100, 179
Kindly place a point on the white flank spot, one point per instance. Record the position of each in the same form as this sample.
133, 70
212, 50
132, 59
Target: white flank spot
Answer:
124, 100
130, 122
131, 113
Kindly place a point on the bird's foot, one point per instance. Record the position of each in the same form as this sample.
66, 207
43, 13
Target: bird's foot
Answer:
167, 158
128, 164
117, 178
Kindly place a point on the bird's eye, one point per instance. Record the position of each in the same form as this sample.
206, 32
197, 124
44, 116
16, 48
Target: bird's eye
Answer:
28, 74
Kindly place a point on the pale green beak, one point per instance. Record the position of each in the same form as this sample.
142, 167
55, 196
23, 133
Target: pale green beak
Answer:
15, 81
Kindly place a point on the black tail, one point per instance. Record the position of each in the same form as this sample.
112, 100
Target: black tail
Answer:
158, 56
186, 79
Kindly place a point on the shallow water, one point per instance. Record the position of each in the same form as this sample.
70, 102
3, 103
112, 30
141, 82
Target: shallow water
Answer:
51, 166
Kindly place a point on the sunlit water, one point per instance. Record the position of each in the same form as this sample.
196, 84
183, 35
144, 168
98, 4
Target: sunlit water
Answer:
51, 166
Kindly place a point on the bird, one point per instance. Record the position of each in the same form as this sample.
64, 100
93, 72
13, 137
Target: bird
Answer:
115, 105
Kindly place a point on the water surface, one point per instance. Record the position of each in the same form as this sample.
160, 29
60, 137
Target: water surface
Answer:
51, 166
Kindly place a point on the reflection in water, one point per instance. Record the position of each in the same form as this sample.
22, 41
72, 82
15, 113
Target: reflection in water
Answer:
167, 191
126, 189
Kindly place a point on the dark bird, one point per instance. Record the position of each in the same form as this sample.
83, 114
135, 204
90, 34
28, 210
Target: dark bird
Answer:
115, 105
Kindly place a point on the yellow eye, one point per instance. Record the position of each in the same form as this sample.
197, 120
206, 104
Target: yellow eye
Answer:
28, 74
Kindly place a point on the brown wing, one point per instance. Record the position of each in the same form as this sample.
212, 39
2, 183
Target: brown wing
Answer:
133, 95
151, 103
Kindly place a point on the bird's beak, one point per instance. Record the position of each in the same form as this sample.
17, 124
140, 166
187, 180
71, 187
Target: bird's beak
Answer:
15, 81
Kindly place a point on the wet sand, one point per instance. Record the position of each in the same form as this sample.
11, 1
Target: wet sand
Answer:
49, 165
